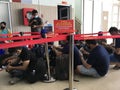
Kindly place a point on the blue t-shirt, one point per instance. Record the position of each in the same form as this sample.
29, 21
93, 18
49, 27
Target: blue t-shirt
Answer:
77, 60
99, 59
2, 52
117, 43
5, 31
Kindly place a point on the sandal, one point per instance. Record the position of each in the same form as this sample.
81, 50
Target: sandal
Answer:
116, 67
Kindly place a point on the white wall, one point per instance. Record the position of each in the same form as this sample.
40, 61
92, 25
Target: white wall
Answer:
52, 2
26, 1
4, 15
92, 16
107, 6
97, 16
78, 9
87, 16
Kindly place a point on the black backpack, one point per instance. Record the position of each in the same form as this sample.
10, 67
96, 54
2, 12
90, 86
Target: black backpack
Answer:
39, 50
38, 72
62, 67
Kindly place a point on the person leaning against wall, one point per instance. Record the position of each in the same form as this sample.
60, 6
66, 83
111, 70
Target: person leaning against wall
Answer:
35, 22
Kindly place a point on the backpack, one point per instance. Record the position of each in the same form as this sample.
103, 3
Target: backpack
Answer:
38, 72
39, 51
62, 67
52, 57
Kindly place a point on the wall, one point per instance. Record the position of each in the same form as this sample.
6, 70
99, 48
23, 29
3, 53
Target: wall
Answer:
97, 16
53, 2
78, 9
4, 15
49, 13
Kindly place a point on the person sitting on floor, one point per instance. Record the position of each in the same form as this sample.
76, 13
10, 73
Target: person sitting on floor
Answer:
62, 53
18, 70
97, 64
115, 57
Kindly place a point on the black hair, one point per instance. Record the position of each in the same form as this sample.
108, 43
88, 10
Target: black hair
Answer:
3, 23
91, 42
19, 48
34, 12
100, 33
113, 29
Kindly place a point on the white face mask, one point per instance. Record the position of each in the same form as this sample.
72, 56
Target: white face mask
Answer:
36, 16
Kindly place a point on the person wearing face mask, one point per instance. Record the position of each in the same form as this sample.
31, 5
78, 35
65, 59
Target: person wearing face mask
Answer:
4, 29
35, 22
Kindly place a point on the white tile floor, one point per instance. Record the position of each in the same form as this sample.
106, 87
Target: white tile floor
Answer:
109, 82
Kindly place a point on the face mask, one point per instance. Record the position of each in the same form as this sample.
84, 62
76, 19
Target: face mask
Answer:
36, 16
2, 27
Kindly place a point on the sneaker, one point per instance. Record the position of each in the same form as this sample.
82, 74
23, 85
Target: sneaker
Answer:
13, 81
116, 67
0, 69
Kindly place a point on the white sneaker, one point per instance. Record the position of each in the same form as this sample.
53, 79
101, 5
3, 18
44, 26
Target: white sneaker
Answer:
0, 69
13, 81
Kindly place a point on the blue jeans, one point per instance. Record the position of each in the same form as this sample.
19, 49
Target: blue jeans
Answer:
17, 73
89, 72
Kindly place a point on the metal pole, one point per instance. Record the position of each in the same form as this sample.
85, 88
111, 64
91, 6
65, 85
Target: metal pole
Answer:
71, 58
92, 15
50, 79
83, 8
71, 63
47, 57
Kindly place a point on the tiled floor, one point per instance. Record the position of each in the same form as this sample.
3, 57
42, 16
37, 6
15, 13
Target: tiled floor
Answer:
110, 82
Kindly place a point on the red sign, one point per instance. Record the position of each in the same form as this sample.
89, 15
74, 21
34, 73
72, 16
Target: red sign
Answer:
63, 26
16, 0
27, 14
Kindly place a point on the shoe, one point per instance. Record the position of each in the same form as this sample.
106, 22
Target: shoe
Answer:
1, 69
116, 67
13, 81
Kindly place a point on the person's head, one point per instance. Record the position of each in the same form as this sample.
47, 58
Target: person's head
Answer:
113, 31
100, 33
18, 50
34, 13
91, 43
64, 42
3, 25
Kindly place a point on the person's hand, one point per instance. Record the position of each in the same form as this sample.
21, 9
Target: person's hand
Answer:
9, 61
34, 26
9, 68
81, 55
34, 20
53, 47
117, 51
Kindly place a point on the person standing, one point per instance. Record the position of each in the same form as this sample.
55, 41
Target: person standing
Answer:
35, 22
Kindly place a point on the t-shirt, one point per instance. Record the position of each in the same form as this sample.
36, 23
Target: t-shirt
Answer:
37, 21
99, 59
77, 60
117, 43
28, 55
5, 31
